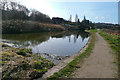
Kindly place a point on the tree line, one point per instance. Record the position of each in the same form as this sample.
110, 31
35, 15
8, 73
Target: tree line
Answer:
17, 18
15, 11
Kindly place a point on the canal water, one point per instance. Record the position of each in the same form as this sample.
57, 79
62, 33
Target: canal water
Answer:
55, 46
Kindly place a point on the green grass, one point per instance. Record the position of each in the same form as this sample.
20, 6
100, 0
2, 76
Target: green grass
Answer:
92, 30
24, 62
114, 42
66, 72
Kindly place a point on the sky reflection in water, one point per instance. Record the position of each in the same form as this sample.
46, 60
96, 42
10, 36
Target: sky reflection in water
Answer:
57, 43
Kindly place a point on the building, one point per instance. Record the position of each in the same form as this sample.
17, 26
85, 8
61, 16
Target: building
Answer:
57, 20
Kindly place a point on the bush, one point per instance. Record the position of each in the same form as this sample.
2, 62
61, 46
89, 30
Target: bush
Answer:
38, 65
4, 45
36, 74
21, 52
28, 51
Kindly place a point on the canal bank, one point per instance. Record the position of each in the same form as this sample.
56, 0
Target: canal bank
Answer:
54, 46
66, 67
22, 63
20, 57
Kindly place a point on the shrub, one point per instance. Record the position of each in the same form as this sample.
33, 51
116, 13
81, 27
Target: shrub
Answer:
4, 45
36, 74
21, 52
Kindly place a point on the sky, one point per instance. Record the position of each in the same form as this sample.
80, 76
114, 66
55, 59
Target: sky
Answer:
119, 12
94, 11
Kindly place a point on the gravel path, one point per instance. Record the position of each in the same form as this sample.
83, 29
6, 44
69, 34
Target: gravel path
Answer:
102, 62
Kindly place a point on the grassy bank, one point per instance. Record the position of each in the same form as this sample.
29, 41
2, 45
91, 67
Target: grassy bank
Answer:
66, 72
20, 26
92, 30
114, 42
22, 63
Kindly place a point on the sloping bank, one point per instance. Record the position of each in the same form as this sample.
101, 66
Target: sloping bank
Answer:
65, 68
21, 63
20, 26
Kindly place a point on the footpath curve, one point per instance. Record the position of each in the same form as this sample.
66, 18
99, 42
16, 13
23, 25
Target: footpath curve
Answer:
102, 62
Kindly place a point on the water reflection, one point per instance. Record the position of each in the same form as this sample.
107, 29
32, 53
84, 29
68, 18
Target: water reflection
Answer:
58, 43
76, 34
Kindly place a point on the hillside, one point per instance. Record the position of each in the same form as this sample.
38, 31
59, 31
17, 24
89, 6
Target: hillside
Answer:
20, 26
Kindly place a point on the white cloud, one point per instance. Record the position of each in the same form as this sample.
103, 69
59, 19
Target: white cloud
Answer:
96, 18
84, 0
102, 17
99, 18
44, 6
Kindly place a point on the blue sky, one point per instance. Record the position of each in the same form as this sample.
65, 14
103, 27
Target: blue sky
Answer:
94, 11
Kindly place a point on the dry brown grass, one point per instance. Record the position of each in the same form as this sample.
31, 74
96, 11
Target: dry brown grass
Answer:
115, 32
52, 25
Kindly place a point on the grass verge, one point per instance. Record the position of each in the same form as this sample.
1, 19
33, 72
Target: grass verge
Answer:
114, 42
92, 30
66, 72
